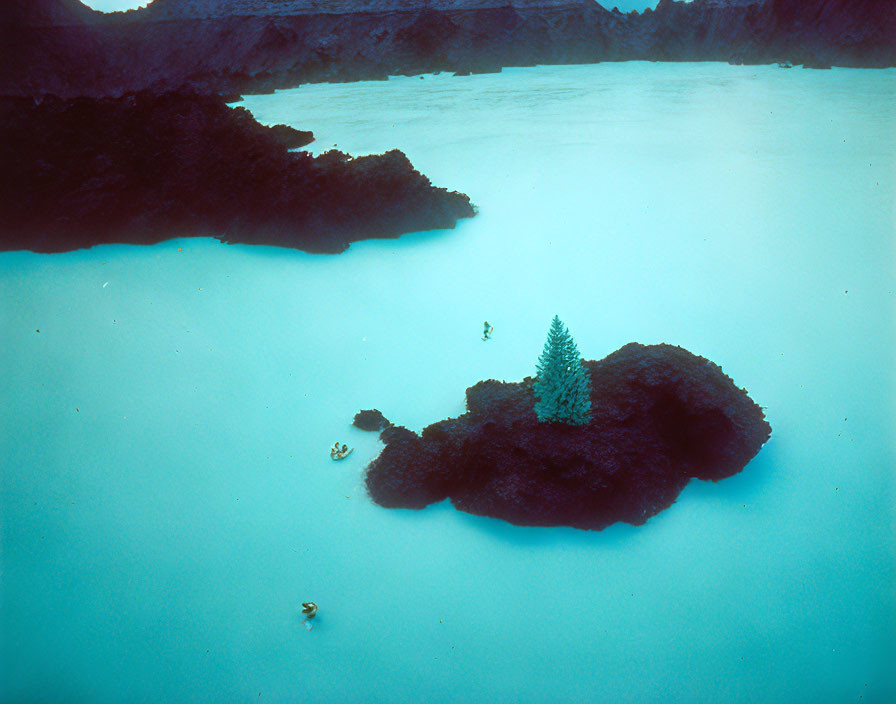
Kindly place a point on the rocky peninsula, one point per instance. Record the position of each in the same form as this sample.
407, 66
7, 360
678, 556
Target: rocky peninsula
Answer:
146, 167
660, 416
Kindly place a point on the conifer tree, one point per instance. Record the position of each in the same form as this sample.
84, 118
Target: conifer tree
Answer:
563, 384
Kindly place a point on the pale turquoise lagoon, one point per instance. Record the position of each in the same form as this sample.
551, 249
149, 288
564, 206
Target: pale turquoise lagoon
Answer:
168, 500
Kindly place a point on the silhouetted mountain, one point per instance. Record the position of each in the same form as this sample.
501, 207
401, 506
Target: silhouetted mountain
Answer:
230, 46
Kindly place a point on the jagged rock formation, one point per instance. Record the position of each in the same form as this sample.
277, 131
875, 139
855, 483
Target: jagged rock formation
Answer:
230, 46
144, 168
372, 420
660, 417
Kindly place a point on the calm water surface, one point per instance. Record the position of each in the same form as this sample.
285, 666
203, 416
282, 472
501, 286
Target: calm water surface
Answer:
167, 497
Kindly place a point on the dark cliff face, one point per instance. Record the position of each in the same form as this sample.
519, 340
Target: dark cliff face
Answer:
62, 47
660, 417
52, 46
842, 32
144, 168
48, 13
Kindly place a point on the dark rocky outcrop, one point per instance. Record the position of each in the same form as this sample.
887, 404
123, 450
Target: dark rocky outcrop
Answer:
290, 137
660, 416
372, 420
144, 168
233, 46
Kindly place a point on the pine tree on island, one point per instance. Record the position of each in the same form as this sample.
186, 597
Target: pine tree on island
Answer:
563, 384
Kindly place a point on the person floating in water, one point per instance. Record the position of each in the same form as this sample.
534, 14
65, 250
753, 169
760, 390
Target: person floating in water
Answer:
340, 453
309, 611
487, 331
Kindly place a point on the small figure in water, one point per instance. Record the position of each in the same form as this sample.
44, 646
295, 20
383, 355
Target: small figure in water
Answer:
337, 453
487, 332
309, 611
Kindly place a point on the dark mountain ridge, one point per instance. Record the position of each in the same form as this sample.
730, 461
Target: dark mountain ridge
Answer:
63, 47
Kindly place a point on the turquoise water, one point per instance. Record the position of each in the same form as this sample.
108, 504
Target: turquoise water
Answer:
167, 496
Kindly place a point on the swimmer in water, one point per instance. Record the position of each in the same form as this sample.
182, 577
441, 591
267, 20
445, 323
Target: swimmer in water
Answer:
309, 611
338, 453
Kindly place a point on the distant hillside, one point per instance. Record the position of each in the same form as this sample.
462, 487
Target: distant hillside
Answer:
46, 13
232, 46
182, 9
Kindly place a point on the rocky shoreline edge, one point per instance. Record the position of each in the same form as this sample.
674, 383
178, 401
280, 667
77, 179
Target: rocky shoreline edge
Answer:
148, 167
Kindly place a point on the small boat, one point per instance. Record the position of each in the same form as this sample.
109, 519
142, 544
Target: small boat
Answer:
785, 64
341, 455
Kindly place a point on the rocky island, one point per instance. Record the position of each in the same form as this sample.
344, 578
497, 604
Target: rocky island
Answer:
652, 418
145, 167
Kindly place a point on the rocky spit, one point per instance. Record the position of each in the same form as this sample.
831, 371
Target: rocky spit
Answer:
147, 167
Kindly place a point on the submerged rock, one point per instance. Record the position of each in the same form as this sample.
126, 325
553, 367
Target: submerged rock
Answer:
371, 420
660, 416
147, 167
